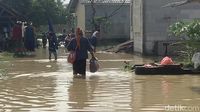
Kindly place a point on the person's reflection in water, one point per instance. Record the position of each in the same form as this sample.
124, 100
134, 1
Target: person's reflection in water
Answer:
165, 87
78, 94
81, 92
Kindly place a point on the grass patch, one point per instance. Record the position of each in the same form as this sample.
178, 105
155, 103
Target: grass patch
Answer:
3, 73
5, 56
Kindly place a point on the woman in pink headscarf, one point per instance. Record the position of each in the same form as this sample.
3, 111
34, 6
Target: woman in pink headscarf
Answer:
81, 45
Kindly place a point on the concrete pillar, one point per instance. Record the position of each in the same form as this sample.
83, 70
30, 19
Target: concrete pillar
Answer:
131, 20
137, 21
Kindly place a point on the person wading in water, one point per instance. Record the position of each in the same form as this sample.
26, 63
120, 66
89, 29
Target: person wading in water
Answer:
81, 45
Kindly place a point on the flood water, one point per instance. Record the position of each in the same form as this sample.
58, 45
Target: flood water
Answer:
36, 84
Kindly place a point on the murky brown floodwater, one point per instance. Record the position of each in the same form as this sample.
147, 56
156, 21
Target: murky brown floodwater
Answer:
39, 85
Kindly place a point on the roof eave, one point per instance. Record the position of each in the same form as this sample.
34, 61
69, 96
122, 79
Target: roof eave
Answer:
72, 6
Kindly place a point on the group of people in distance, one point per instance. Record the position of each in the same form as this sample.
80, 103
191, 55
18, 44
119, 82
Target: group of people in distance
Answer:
23, 38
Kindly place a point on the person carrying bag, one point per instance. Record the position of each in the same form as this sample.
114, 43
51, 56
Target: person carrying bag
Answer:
81, 45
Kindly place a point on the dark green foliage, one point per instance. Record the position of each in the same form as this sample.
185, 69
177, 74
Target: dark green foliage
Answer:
70, 20
128, 66
190, 29
38, 11
5, 56
188, 65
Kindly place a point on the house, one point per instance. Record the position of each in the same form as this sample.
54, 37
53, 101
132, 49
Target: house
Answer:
150, 20
118, 24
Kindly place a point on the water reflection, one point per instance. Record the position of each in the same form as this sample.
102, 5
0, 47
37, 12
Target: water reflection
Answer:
154, 93
22, 93
78, 94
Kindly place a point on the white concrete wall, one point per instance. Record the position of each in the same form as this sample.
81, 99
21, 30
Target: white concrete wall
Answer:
158, 19
151, 22
119, 27
80, 15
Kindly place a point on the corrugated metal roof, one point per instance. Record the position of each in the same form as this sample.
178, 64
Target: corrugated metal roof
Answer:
106, 1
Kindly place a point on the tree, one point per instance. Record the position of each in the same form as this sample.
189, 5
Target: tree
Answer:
70, 20
189, 34
45, 9
38, 11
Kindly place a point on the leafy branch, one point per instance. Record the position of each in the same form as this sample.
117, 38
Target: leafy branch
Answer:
189, 34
